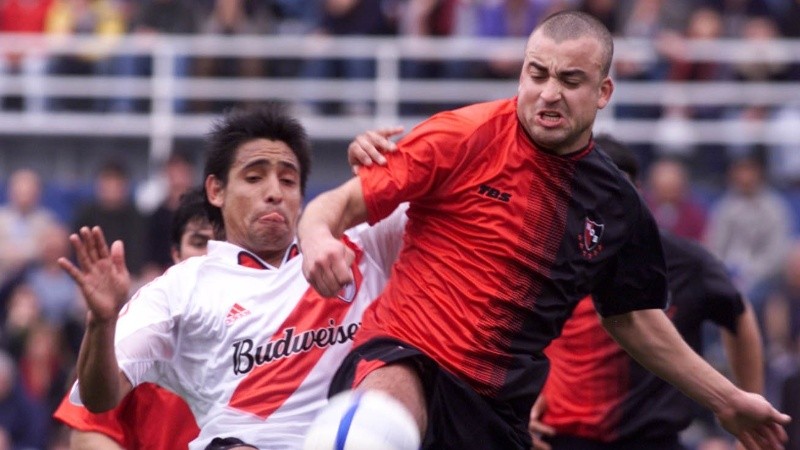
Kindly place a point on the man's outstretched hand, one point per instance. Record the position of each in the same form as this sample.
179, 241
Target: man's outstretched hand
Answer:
756, 424
100, 272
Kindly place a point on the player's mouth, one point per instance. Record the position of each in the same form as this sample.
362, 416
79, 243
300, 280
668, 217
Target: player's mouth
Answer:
272, 217
549, 118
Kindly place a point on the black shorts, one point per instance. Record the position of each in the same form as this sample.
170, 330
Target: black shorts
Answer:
576, 443
458, 417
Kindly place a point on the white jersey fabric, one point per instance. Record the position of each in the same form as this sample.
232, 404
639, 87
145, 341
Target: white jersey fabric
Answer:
251, 351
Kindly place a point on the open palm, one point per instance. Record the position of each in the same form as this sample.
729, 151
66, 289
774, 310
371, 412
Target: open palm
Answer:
100, 273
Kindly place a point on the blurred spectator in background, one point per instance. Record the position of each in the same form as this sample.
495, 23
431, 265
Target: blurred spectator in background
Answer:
429, 19
21, 314
39, 292
669, 197
349, 18
760, 34
607, 11
70, 18
151, 18
24, 16
43, 368
179, 176
22, 221
781, 321
58, 296
770, 122
509, 19
113, 210
233, 18
735, 13
42, 315
659, 22
704, 25
750, 226
22, 418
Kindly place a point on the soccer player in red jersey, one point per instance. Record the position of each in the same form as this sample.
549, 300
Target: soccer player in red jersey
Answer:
514, 217
597, 398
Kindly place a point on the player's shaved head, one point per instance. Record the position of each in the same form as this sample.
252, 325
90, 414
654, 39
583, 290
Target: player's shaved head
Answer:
568, 25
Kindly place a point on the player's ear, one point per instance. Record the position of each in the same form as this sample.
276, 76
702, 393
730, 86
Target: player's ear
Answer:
214, 190
175, 253
606, 89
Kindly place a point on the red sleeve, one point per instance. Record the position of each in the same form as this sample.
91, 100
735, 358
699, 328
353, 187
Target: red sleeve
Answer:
148, 417
81, 419
158, 419
418, 169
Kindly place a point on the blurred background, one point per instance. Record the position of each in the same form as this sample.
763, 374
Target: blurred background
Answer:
104, 105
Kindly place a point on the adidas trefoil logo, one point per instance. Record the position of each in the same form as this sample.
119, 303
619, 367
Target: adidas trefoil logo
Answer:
237, 311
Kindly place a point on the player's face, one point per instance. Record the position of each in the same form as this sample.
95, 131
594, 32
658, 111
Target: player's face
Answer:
194, 240
261, 202
560, 90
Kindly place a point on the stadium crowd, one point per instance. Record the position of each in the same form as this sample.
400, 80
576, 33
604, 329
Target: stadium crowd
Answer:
741, 202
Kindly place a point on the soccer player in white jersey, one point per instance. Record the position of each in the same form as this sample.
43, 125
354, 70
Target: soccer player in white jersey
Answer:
237, 333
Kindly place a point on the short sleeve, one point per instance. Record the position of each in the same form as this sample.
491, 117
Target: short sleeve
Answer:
723, 303
144, 335
423, 161
79, 418
637, 277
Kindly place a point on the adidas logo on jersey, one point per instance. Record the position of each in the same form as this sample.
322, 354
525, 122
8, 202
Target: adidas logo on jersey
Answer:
237, 311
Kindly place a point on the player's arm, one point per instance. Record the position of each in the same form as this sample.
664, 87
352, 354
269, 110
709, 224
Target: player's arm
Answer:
87, 440
649, 337
326, 260
744, 351
104, 281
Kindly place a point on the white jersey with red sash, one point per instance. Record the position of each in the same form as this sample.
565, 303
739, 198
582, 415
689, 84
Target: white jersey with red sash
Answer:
250, 347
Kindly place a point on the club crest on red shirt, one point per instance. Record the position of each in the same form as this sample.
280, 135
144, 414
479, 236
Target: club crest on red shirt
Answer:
589, 241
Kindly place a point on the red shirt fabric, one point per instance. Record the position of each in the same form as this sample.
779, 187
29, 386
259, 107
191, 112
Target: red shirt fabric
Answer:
148, 418
503, 239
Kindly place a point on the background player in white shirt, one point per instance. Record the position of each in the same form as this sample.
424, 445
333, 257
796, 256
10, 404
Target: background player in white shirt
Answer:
237, 333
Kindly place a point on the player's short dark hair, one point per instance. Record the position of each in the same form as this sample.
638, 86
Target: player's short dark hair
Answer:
270, 121
567, 25
620, 154
191, 207
227, 442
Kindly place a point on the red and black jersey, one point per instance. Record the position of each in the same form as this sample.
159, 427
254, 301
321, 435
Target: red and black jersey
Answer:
596, 391
503, 239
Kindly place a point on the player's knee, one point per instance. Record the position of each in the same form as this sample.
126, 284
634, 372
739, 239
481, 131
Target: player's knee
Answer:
401, 381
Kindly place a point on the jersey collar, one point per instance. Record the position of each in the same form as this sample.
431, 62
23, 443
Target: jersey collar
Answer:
245, 258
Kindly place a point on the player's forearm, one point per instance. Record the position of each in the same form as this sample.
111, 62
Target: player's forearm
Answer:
650, 338
745, 354
98, 372
334, 211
